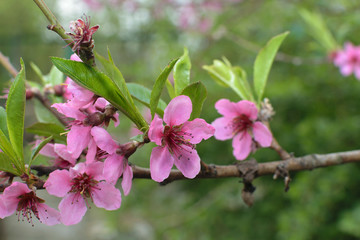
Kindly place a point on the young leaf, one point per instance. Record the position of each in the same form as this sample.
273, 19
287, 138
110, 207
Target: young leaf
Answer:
35, 151
6, 147
263, 64
229, 76
38, 72
47, 129
143, 94
159, 85
197, 93
170, 89
6, 165
43, 114
101, 85
15, 113
3, 123
55, 77
182, 72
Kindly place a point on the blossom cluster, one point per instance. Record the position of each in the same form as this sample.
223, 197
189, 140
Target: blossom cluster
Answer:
348, 60
91, 162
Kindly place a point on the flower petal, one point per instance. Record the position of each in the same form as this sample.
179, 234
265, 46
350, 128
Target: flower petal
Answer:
95, 170
69, 111
48, 215
4, 212
78, 139
161, 162
156, 130
242, 145
189, 162
58, 183
91, 152
178, 111
247, 108
47, 150
72, 209
104, 140
197, 130
107, 197
226, 108
62, 151
223, 128
262, 134
127, 179
113, 168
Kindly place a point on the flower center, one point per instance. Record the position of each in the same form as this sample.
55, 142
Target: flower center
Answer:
241, 123
27, 206
84, 185
177, 141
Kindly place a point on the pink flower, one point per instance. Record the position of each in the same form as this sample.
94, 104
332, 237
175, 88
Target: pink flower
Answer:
76, 186
82, 33
348, 60
176, 141
115, 164
61, 156
238, 122
19, 198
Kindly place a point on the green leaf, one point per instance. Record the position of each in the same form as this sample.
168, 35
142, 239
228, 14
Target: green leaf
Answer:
197, 93
55, 77
35, 151
6, 147
143, 94
43, 114
3, 123
48, 129
228, 76
182, 72
318, 30
170, 89
15, 113
158, 87
263, 63
114, 73
101, 85
38, 72
6, 165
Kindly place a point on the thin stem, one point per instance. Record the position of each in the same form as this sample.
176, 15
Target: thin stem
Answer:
7, 65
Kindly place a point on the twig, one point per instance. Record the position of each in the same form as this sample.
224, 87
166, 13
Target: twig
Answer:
7, 65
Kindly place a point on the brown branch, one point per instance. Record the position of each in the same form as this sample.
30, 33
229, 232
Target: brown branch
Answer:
307, 162
7, 65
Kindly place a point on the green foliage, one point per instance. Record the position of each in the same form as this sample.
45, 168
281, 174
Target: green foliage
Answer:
101, 85
182, 73
47, 130
197, 93
35, 152
15, 114
263, 64
143, 95
159, 85
228, 76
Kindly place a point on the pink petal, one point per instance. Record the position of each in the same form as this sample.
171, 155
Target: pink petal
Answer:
72, 209
197, 130
3, 209
91, 152
262, 134
104, 140
223, 128
107, 197
75, 57
189, 162
47, 150
178, 111
247, 108
11, 196
58, 183
62, 151
113, 168
242, 145
226, 108
346, 69
95, 170
78, 139
161, 162
69, 111
127, 180
156, 130
48, 215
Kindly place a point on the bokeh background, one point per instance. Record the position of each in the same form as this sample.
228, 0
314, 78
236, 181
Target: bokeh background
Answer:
317, 111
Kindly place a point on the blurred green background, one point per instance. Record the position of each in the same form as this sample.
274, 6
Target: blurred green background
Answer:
317, 111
